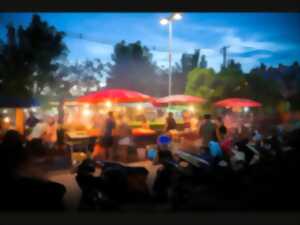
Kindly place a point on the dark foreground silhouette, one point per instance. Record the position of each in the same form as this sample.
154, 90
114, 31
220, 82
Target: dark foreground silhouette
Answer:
19, 192
266, 178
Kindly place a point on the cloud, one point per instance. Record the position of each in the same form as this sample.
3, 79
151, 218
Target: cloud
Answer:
253, 53
239, 45
249, 50
81, 49
208, 28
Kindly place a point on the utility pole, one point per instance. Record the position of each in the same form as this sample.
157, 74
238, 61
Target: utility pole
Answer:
223, 51
169, 21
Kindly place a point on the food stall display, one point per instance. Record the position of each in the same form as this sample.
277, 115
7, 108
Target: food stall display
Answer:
87, 117
18, 105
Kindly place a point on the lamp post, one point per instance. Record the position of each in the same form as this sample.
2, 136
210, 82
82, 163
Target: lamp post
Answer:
168, 21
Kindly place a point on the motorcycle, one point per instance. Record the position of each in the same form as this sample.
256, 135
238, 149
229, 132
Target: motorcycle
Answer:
116, 186
181, 176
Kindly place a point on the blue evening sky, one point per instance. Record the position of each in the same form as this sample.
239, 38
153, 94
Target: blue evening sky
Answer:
271, 38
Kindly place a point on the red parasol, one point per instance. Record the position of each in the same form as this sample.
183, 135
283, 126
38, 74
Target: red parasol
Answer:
115, 96
179, 99
237, 102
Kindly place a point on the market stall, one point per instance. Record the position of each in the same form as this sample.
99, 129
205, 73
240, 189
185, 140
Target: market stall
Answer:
14, 111
238, 115
94, 106
184, 107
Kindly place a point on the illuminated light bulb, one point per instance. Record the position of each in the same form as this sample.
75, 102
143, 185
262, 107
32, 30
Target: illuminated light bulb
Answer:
246, 109
191, 108
5, 111
86, 112
108, 104
33, 109
139, 107
177, 16
6, 120
164, 21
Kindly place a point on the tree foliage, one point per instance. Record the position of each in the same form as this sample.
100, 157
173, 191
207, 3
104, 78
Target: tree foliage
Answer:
28, 58
190, 61
84, 76
231, 82
132, 68
203, 62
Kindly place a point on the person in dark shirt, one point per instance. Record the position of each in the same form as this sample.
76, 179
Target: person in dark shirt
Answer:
32, 120
108, 140
221, 130
207, 130
170, 123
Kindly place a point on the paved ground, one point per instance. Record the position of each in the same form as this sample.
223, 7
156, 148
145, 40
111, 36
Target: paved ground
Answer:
72, 197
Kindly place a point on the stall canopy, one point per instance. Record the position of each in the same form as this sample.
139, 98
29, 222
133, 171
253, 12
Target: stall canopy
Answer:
179, 99
17, 102
115, 96
237, 102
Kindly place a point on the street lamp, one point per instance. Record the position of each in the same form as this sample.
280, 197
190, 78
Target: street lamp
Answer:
168, 21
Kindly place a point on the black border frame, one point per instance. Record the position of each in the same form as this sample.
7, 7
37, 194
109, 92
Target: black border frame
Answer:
151, 5
272, 218
230, 218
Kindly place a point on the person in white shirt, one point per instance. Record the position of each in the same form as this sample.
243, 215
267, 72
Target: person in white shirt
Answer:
47, 131
51, 132
39, 131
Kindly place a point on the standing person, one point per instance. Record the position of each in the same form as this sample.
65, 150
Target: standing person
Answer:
170, 122
31, 120
108, 140
186, 120
51, 132
224, 140
221, 129
145, 123
39, 131
207, 130
125, 138
194, 123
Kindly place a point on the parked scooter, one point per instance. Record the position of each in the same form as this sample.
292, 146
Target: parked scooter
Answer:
180, 175
116, 186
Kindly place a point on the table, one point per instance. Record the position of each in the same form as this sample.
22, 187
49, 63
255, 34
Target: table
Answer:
143, 132
143, 137
78, 138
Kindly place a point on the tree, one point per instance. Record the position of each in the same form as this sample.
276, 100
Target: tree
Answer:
179, 75
202, 82
232, 80
203, 62
282, 82
14, 72
260, 71
189, 61
263, 90
29, 59
132, 68
86, 76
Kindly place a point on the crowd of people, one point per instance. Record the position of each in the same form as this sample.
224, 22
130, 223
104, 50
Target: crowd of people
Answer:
24, 188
